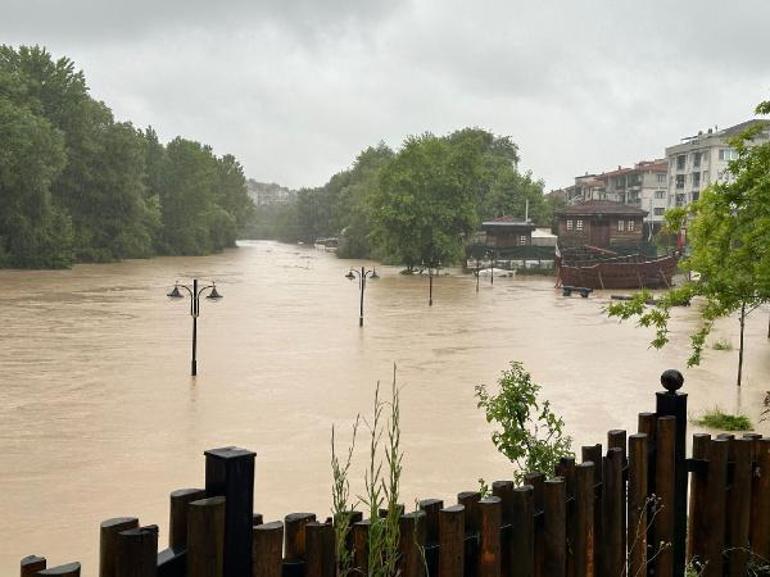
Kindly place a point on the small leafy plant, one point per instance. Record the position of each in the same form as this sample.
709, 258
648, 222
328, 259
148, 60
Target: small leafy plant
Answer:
530, 434
716, 419
722, 345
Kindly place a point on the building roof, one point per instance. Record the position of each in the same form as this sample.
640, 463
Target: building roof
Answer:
738, 128
508, 221
601, 207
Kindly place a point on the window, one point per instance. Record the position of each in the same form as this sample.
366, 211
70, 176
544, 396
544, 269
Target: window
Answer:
523, 239
680, 180
696, 179
630, 226
621, 225
579, 224
661, 178
695, 195
680, 160
570, 224
727, 154
696, 159
659, 211
660, 194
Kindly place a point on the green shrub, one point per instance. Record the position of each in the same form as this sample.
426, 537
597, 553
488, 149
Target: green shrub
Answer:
716, 419
722, 345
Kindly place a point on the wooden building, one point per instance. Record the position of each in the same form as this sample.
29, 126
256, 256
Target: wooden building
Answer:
600, 223
508, 232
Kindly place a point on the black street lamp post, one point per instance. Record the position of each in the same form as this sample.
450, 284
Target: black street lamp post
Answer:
492, 261
362, 275
195, 309
477, 272
431, 268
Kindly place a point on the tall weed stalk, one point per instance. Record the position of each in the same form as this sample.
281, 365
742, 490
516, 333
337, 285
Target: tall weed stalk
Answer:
342, 507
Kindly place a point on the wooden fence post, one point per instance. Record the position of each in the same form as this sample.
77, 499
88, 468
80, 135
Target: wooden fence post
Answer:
698, 527
673, 403
411, 544
555, 528
267, 552
177, 523
491, 517
431, 507
230, 474
761, 536
613, 513
566, 470
536, 480
451, 535
737, 536
593, 454
522, 537
360, 547
295, 525
504, 490
637, 504
665, 487
319, 550
108, 542
31, 564
584, 519
137, 552
206, 538
716, 486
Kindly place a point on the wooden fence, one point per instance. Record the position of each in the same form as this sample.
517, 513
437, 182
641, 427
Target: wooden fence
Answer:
622, 511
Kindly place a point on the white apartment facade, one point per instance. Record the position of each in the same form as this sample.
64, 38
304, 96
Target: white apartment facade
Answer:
703, 159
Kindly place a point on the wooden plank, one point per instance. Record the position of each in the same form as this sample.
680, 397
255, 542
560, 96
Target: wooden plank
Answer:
179, 502
294, 534
319, 550
566, 470
638, 482
491, 516
761, 534
431, 507
470, 500
536, 480
206, 537
584, 520
555, 528
593, 454
137, 552
665, 464
451, 535
616, 439
739, 520
698, 527
411, 544
267, 550
522, 538
612, 546
504, 490
754, 437
360, 547
108, 542
716, 487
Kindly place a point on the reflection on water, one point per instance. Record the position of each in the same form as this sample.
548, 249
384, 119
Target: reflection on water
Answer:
100, 418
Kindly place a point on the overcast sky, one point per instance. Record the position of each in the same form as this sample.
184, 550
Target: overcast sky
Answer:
296, 88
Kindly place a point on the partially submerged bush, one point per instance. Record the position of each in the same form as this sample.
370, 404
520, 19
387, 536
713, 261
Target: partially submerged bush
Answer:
716, 419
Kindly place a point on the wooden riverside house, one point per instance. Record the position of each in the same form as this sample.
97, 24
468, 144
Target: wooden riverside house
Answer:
600, 223
621, 511
507, 232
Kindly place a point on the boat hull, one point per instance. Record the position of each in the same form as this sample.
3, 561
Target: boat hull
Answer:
654, 273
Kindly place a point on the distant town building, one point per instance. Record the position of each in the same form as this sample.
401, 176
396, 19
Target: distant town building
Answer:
600, 223
266, 194
701, 160
507, 232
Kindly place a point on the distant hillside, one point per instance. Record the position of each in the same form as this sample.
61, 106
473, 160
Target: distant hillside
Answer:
269, 193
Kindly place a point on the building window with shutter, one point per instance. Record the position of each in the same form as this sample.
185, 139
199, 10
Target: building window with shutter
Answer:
523, 239
621, 225
630, 226
570, 224
579, 224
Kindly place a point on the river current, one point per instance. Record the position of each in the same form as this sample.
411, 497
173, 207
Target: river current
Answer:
99, 416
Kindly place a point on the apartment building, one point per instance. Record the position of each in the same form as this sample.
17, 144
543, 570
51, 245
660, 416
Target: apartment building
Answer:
703, 159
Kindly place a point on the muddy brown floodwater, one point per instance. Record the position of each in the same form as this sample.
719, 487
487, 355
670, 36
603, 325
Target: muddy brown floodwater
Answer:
100, 418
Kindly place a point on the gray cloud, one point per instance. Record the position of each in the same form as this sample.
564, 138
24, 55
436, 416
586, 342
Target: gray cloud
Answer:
295, 89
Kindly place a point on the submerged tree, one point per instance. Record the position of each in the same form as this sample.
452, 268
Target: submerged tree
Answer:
728, 231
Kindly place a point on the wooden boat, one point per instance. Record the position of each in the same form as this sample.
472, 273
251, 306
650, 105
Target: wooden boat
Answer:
599, 268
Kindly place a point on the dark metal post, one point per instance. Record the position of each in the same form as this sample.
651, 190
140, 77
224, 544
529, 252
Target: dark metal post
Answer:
363, 288
478, 270
430, 286
673, 403
194, 312
230, 473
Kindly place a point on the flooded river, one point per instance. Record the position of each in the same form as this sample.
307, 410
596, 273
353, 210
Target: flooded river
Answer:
100, 418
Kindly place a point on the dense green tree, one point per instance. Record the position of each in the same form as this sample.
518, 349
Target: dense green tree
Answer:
424, 205
728, 231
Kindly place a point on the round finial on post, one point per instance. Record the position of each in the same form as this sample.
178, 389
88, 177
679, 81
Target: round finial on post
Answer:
672, 380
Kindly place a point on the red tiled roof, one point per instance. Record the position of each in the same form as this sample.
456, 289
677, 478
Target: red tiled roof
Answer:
598, 207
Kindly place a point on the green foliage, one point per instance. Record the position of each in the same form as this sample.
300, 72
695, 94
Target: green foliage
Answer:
342, 507
530, 435
717, 419
83, 187
722, 345
728, 230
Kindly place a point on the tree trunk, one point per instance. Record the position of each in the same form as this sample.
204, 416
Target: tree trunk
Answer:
740, 348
